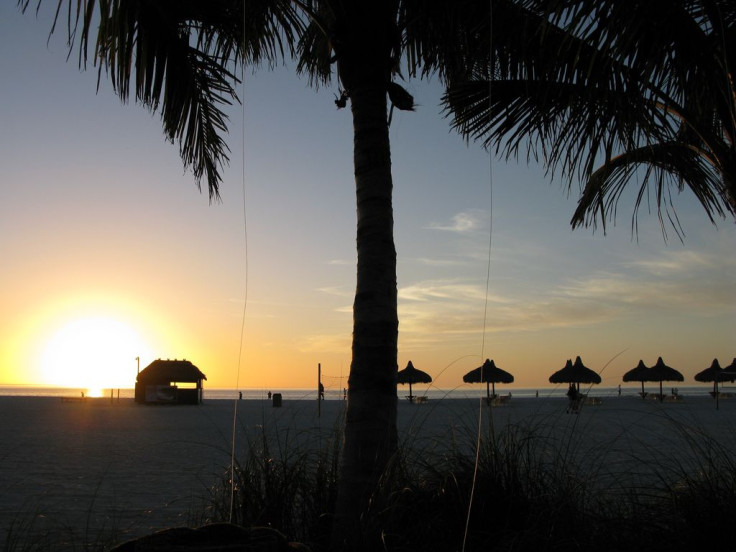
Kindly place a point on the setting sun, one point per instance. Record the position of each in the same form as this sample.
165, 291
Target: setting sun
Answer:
93, 353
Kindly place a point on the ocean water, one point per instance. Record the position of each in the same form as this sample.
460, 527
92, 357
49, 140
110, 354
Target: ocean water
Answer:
466, 391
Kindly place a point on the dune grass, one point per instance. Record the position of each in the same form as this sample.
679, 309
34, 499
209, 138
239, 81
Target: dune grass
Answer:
35, 531
529, 492
286, 482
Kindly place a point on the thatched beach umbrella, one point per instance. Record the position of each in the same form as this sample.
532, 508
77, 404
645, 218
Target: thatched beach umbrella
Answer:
729, 372
661, 372
490, 374
713, 374
411, 376
639, 373
576, 373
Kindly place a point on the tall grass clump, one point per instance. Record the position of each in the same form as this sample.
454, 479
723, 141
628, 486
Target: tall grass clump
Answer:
537, 487
37, 531
523, 486
696, 503
22, 535
524, 497
282, 481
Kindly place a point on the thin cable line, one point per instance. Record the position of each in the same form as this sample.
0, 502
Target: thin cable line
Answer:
245, 285
485, 304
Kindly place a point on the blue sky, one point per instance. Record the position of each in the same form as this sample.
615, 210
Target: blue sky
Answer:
98, 218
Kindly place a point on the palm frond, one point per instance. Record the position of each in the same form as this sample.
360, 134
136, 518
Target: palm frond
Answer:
579, 84
663, 169
315, 47
179, 57
444, 38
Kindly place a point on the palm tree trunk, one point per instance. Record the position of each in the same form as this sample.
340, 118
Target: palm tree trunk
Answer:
370, 426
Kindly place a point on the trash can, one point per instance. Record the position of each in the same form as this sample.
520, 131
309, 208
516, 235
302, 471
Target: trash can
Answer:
277, 400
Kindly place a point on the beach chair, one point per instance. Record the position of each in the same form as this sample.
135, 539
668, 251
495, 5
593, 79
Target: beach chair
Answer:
672, 398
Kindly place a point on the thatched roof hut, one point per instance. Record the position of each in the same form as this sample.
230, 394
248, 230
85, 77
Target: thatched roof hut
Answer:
411, 376
169, 382
575, 373
488, 373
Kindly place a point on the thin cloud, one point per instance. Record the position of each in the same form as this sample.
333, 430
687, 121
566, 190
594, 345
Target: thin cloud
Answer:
506, 314
325, 343
681, 261
697, 282
443, 290
698, 296
462, 223
453, 310
426, 261
337, 291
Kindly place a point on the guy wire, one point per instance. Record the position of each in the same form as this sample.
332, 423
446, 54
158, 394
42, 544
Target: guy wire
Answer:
245, 283
488, 284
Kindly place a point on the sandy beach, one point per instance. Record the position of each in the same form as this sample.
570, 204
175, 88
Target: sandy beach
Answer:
84, 467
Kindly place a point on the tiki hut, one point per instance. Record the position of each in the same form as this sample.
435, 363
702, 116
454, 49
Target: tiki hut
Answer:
639, 373
661, 372
575, 374
169, 382
714, 374
488, 373
411, 376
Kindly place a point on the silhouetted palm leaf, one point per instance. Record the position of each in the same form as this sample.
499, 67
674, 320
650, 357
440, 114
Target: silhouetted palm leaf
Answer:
178, 57
610, 93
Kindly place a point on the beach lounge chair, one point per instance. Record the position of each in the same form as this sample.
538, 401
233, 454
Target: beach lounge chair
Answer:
500, 400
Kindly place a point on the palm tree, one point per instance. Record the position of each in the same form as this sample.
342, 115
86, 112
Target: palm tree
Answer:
612, 93
181, 58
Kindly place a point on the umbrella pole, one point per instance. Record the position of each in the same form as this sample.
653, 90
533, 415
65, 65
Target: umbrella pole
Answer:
642, 389
411, 396
661, 396
488, 392
494, 389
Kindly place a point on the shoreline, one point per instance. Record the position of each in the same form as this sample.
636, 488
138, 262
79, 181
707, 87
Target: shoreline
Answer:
465, 391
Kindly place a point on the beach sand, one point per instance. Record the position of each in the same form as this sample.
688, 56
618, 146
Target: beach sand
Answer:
82, 468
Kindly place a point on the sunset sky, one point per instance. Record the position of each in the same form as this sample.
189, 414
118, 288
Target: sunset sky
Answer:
109, 251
